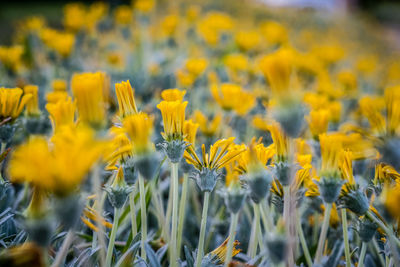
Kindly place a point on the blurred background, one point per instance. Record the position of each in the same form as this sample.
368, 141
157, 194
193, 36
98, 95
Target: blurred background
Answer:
383, 11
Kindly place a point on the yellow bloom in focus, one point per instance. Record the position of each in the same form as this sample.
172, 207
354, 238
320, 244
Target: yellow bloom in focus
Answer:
255, 157
12, 102
318, 122
247, 40
126, 99
88, 91
32, 106
62, 113
173, 95
207, 127
331, 149
123, 15
173, 114
280, 140
219, 156
139, 128
196, 66
220, 252
233, 97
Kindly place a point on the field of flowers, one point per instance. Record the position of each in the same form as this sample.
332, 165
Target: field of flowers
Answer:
203, 133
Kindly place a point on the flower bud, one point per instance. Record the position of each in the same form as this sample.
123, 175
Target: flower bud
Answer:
329, 188
147, 164
206, 178
130, 171
174, 149
291, 119
354, 200
259, 183
366, 229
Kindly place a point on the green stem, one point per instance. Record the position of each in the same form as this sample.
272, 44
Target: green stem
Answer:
59, 260
182, 212
175, 198
386, 229
324, 231
169, 212
303, 242
143, 215
362, 254
376, 248
200, 249
254, 235
132, 211
346, 238
232, 233
266, 222
99, 210
112, 237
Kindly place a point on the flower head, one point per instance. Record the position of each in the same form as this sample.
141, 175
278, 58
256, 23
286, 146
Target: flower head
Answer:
173, 95
32, 106
139, 128
233, 97
88, 89
62, 113
126, 99
12, 102
173, 114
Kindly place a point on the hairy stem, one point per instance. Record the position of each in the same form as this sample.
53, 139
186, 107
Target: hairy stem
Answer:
175, 197
143, 216
346, 237
200, 249
324, 231
182, 213
232, 233
112, 237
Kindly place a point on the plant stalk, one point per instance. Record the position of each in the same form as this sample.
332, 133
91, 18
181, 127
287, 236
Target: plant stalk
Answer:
324, 231
346, 238
232, 233
182, 213
303, 242
175, 198
64, 249
132, 211
143, 216
200, 249
112, 237
362, 254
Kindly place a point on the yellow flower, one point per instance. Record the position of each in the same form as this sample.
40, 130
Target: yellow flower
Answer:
62, 113
331, 149
12, 102
184, 78
277, 69
90, 215
318, 122
346, 166
74, 16
139, 128
371, 108
196, 66
385, 173
233, 97
11, 57
392, 101
248, 40
208, 128
236, 62
274, 32
280, 140
390, 197
31, 162
220, 252
119, 148
88, 90
61, 42
123, 15
329, 54
144, 6
218, 157
169, 24
32, 106
190, 131
59, 85
126, 99
232, 176
255, 157
55, 96
173, 114
173, 95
